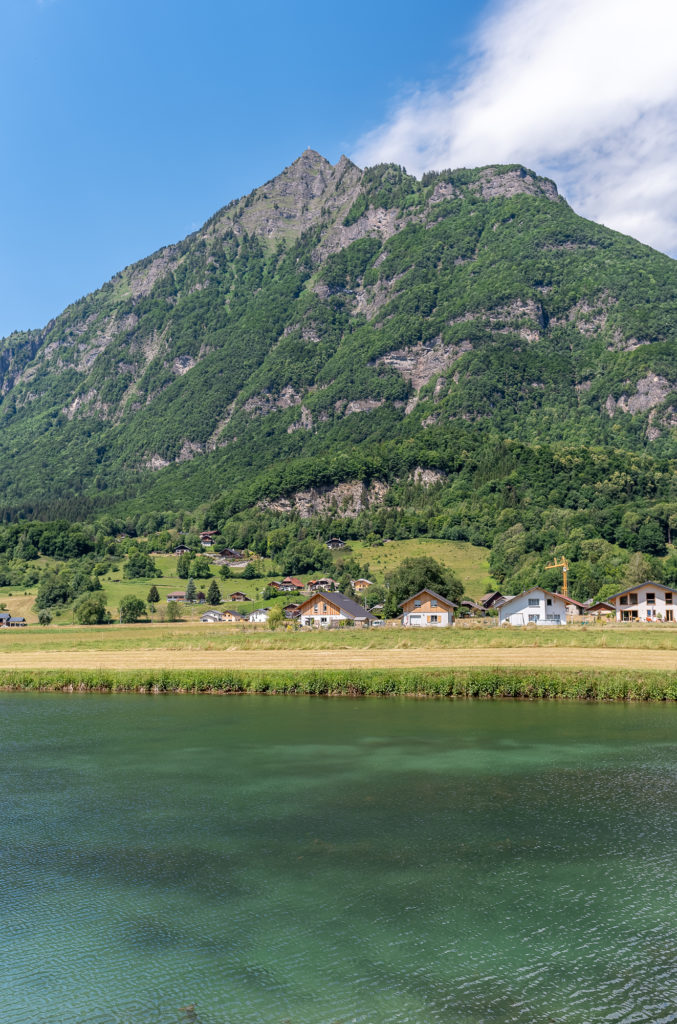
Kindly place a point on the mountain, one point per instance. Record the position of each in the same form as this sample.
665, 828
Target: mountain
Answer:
341, 328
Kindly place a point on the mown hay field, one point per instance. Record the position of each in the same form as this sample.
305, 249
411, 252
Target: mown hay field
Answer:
237, 658
195, 637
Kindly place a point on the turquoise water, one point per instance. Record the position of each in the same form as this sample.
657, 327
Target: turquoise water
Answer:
265, 859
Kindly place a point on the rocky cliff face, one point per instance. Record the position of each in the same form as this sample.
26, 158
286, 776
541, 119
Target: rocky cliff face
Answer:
336, 306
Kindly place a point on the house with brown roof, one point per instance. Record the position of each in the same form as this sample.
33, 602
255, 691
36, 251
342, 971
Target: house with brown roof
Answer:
325, 583
291, 610
294, 582
230, 615
335, 543
176, 595
328, 609
427, 608
489, 600
237, 595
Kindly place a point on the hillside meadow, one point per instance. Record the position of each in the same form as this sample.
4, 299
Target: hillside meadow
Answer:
469, 562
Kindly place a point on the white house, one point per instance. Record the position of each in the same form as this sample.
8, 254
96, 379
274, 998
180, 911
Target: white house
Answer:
259, 615
536, 605
212, 616
426, 608
647, 602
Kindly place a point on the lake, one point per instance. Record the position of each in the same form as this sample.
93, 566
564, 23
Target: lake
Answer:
260, 860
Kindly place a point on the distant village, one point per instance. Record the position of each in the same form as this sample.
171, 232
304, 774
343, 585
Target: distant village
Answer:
321, 604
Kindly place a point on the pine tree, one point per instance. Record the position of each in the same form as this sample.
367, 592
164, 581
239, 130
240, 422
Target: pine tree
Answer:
213, 594
191, 591
153, 596
225, 572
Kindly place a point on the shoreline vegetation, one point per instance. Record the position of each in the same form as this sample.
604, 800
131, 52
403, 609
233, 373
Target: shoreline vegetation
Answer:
525, 684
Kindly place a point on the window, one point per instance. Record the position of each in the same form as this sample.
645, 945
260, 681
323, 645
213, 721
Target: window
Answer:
650, 597
669, 615
316, 608
624, 599
324, 607
668, 597
417, 604
533, 602
433, 604
553, 618
434, 618
548, 600
534, 618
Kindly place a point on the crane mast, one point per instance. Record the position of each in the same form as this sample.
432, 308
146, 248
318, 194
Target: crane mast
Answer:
564, 566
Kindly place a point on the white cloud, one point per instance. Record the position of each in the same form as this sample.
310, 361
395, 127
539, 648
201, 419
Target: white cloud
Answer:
584, 91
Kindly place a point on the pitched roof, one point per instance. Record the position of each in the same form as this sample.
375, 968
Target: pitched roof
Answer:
349, 607
492, 593
550, 593
647, 583
570, 600
598, 605
427, 590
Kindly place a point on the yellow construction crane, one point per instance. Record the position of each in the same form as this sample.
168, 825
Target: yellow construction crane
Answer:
564, 566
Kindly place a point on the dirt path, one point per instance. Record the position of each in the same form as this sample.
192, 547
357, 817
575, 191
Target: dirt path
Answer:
532, 657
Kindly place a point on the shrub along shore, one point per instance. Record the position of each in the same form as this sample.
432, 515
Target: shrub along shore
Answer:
529, 684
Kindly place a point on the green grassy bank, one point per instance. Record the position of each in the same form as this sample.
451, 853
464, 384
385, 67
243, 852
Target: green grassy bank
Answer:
483, 683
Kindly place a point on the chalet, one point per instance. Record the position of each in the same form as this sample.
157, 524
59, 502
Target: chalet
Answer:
328, 609
335, 543
212, 616
647, 602
182, 549
489, 600
259, 615
426, 608
230, 615
326, 583
207, 538
294, 582
537, 606
291, 610
360, 585
230, 553
176, 595
237, 596
4, 618
14, 621
472, 608
601, 609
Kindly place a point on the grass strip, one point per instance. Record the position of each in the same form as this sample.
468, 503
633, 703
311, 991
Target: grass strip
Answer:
530, 684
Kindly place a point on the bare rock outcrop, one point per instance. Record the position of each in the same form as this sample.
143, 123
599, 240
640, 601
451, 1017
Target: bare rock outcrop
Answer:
496, 183
421, 362
651, 392
261, 405
349, 499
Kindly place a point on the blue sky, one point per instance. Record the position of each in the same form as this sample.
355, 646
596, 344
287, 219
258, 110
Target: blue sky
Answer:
124, 125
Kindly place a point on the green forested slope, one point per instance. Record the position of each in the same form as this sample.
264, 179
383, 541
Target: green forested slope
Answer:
340, 325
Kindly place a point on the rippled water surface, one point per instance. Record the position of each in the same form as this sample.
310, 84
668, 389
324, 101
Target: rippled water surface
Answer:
256, 859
